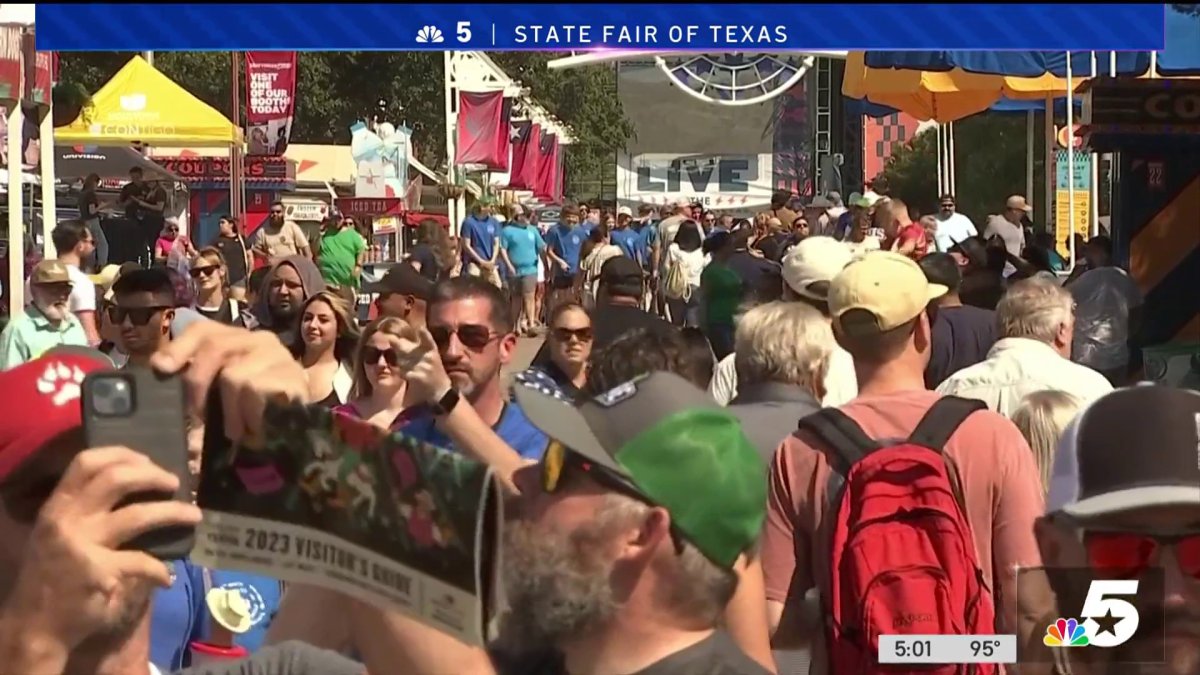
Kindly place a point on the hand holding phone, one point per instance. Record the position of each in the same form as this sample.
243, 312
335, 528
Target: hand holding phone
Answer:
141, 410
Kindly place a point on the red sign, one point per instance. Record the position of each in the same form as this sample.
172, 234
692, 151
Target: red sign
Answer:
364, 207
38, 67
217, 168
270, 101
10, 63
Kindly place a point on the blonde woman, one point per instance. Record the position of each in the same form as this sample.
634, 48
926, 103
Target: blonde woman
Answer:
378, 394
213, 300
325, 346
1042, 417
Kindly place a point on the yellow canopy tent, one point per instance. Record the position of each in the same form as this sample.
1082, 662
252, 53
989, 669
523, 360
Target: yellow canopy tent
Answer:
140, 104
943, 96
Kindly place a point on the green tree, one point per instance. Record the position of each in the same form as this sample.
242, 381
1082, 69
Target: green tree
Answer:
990, 161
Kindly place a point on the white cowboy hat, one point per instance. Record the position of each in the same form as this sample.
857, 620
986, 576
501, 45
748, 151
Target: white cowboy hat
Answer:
229, 609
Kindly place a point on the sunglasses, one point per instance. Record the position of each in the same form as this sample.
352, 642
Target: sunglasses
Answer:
276, 213
371, 356
1127, 555
948, 205
472, 336
565, 334
559, 462
138, 316
198, 272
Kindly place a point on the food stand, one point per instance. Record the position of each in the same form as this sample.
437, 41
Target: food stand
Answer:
267, 179
1154, 127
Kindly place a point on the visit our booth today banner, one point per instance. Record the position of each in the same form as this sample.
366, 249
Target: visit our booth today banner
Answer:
271, 101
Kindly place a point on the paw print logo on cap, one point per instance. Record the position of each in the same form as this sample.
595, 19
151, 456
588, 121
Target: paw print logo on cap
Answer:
60, 382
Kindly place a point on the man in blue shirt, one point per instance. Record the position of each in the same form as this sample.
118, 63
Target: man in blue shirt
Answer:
472, 327
521, 247
479, 236
564, 242
646, 226
626, 238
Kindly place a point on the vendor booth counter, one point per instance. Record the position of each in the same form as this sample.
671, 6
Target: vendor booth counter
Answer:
1154, 128
207, 178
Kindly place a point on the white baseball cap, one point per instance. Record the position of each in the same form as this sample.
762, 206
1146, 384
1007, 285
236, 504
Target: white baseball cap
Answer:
624, 211
815, 260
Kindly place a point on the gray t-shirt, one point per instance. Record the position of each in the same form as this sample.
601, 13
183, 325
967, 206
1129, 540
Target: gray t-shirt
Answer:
286, 658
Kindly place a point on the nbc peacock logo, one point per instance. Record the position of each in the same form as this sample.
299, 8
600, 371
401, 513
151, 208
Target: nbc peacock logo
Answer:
1065, 633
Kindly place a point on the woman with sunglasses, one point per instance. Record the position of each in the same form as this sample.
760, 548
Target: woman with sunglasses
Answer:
213, 299
325, 345
569, 345
379, 390
171, 246
238, 262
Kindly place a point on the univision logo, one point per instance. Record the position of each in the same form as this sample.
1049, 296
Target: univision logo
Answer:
1065, 633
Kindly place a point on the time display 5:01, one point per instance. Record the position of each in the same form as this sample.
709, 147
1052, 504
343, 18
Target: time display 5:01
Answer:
917, 649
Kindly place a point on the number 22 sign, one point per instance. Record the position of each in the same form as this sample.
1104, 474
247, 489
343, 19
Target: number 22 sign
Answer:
1154, 175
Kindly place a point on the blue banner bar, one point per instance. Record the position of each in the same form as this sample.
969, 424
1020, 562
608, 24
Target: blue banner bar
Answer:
577, 26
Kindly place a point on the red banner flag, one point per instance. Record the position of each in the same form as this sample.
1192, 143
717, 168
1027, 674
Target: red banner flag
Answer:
523, 173
483, 130
271, 101
548, 185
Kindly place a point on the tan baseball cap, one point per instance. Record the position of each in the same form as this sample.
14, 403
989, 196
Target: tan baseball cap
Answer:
810, 266
49, 272
887, 286
1018, 202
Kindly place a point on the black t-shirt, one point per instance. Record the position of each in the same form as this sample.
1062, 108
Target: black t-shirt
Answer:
129, 192
88, 199
962, 336
714, 655
229, 313
761, 279
982, 288
233, 249
430, 269
155, 195
610, 322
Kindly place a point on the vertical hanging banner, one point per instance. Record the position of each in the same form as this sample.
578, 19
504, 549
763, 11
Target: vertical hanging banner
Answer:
483, 130
523, 172
546, 188
270, 101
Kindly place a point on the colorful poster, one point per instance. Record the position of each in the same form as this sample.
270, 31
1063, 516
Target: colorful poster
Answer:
334, 502
271, 101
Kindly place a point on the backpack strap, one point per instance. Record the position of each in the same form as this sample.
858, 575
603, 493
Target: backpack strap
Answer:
843, 434
942, 420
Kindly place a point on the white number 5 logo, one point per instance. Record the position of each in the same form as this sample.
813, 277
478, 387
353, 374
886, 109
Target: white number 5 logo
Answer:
1109, 620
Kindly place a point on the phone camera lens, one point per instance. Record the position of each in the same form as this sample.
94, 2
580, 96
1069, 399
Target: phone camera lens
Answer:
112, 397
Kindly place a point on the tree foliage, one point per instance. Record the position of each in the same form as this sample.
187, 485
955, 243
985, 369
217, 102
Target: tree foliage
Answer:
990, 160
335, 89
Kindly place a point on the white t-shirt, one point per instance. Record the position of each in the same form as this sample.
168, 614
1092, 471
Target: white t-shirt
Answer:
953, 230
83, 291
693, 262
841, 380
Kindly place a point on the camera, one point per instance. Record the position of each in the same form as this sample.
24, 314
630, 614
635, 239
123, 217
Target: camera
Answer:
111, 395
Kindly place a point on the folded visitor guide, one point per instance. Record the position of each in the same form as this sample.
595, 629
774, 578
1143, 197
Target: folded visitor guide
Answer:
332, 501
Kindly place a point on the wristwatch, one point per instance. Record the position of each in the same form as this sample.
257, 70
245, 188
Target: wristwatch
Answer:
445, 405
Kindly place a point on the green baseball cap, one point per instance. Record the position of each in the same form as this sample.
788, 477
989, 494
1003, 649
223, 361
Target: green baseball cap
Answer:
671, 442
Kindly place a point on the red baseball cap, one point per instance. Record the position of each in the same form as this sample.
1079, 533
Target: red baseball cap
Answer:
40, 400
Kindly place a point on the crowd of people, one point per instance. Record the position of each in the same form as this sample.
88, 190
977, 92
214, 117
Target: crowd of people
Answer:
688, 460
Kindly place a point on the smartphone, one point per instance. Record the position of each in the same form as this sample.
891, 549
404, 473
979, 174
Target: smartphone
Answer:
143, 411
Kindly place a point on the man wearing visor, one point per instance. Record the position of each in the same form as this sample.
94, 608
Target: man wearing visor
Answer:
620, 551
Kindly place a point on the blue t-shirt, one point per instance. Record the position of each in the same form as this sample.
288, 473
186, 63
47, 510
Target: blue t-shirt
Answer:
262, 596
628, 241
179, 614
524, 244
566, 242
514, 427
648, 237
481, 234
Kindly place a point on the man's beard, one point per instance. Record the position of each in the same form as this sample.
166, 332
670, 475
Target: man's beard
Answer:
557, 585
135, 603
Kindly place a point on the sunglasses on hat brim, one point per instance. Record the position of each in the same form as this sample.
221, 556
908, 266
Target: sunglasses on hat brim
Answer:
559, 462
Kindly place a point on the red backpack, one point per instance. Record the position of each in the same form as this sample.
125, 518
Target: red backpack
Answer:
903, 557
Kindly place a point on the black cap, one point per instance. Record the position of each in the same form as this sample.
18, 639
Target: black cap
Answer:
1130, 449
403, 279
621, 272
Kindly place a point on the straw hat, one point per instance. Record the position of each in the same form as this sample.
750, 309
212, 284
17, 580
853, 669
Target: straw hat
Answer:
230, 609
105, 278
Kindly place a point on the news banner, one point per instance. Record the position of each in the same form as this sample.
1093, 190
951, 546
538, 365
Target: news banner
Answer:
581, 26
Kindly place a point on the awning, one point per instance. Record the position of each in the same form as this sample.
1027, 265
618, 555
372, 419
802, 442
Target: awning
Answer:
944, 96
415, 218
72, 162
140, 104
1180, 56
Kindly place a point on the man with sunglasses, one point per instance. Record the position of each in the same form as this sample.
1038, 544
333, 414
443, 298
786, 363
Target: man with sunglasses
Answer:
619, 553
47, 322
952, 226
73, 242
472, 329
1124, 503
142, 309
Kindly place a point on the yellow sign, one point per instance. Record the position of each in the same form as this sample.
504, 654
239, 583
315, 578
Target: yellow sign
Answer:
1065, 224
